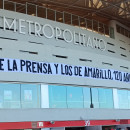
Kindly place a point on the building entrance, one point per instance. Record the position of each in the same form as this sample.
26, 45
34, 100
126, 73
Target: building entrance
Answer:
108, 128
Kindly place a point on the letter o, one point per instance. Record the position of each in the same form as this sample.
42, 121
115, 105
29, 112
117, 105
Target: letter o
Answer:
52, 31
64, 32
104, 44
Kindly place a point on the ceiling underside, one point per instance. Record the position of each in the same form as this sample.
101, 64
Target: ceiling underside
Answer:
101, 10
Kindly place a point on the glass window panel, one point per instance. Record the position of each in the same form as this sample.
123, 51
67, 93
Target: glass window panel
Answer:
75, 20
59, 17
129, 99
50, 14
122, 31
95, 26
89, 25
41, 12
95, 101
31, 9
30, 96
118, 28
57, 96
75, 97
112, 32
67, 18
126, 33
9, 96
105, 98
83, 23
86, 94
101, 28
20, 8
123, 99
1, 4
8, 5
106, 30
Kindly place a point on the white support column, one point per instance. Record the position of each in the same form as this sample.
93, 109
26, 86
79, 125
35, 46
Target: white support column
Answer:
44, 99
44, 96
115, 99
3, 4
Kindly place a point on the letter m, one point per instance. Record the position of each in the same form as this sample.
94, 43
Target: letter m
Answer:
10, 25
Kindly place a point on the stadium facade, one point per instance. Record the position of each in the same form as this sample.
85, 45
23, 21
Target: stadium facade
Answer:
56, 76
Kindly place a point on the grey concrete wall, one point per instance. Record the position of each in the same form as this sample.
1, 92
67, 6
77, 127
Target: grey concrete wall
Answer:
50, 47
46, 49
62, 114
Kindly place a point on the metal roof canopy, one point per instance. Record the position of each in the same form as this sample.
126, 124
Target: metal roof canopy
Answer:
101, 10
